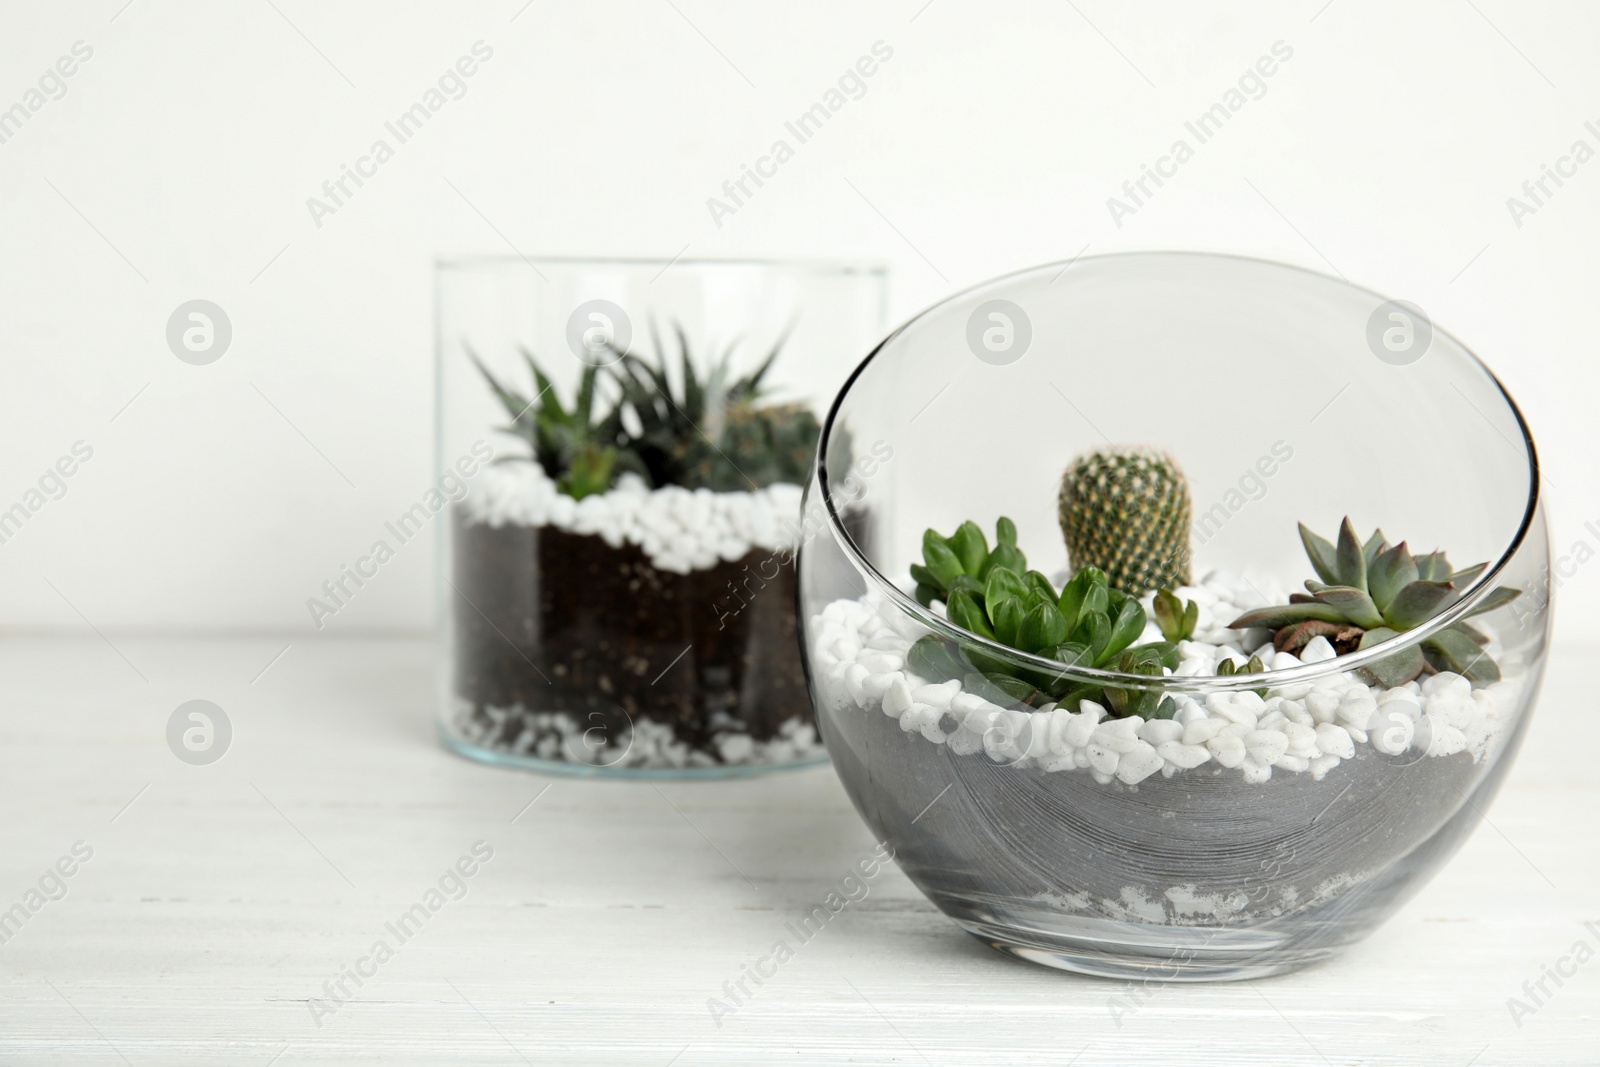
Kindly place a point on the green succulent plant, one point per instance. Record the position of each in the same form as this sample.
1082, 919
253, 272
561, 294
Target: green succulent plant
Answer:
1369, 592
580, 453
991, 592
1176, 619
1126, 511
713, 430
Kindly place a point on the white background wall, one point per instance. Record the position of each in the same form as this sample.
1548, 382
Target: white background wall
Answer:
179, 161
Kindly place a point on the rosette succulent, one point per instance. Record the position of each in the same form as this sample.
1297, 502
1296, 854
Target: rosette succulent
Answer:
991, 592
1371, 591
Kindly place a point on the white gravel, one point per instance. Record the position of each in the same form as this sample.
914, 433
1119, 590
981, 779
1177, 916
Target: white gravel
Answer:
681, 530
649, 745
858, 650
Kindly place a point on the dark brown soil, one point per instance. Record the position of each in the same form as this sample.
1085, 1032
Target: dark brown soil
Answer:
553, 621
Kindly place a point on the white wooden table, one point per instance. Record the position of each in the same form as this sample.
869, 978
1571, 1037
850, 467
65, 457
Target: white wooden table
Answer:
220, 898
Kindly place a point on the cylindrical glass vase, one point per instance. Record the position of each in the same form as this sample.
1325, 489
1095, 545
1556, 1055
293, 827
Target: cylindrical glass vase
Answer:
622, 444
1263, 794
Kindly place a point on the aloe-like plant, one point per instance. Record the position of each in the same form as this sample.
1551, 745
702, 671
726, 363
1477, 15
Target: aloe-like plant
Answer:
1369, 592
713, 430
582, 454
991, 592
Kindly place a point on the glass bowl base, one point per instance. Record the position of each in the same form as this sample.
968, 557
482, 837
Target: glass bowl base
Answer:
1149, 954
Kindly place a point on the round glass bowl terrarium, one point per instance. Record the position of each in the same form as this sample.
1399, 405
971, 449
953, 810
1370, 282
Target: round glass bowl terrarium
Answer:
1223, 790
621, 448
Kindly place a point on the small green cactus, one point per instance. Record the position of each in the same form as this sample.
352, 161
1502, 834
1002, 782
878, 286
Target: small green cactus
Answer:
1126, 511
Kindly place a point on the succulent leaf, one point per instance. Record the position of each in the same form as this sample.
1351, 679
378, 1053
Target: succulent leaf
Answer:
1041, 628
1039, 587
1176, 621
1074, 592
1464, 656
1006, 613
964, 611
1397, 668
1094, 628
1352, 560
940, 558
1003, 583
1418, 602
1374, 544
1434, 567
1391, 570
1280, 615
970, 547
1096, 599
1005, 532
1324, 558
1353, 605
932, 659
1499, 598
1126, 627
1008, 556
969, 583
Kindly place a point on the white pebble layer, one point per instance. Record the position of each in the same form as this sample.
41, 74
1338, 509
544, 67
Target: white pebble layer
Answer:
858, 651
681, 530
648, 745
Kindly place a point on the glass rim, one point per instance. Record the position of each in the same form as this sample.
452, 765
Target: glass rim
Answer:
478, 261
1308, 672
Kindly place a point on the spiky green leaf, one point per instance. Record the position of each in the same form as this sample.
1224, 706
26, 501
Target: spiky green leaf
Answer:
1374, 544
1352, 560
1324, 558
1352, 604
1499, 598
1391, 571
1285, 614
1418, 602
